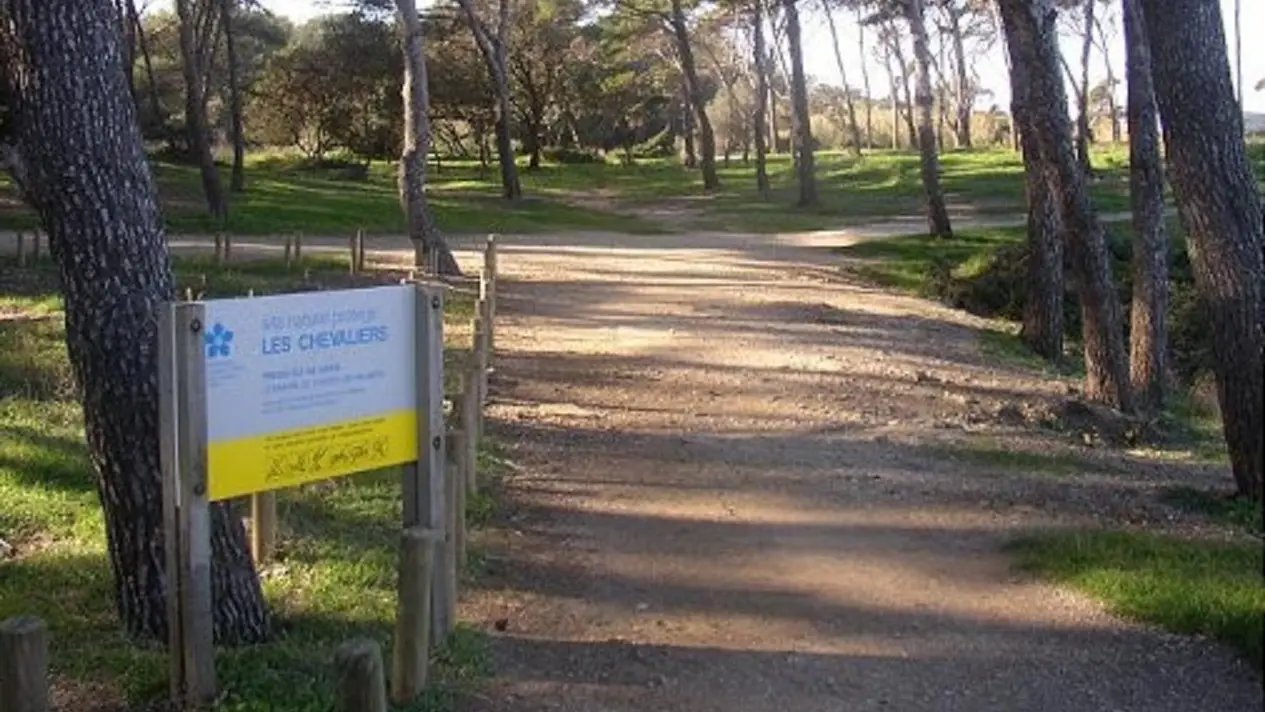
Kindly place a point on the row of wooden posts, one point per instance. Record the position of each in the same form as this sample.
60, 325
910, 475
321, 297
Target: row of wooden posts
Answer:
30, 247
293, 250
428, 574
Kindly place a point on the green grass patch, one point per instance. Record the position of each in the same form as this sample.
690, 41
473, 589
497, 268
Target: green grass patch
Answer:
335, 568
1194, 587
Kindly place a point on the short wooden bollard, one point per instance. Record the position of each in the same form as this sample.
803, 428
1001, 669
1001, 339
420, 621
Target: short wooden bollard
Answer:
24, 665
361, 683
480, 370
21, 249
263, 525
219, 248
228, 246
289, 251
298, 247
411, 651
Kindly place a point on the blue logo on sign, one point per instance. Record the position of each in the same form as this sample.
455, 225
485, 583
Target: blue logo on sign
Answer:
219, 342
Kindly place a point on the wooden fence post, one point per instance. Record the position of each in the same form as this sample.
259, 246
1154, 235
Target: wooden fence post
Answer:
470, 410
219, 248
35, 246
411, 649
490, 262
359, 256
361, 687
425, 495
228, 247
24, 665
186, 512
263, 525
298, 247
289, 251
455, 475
478, 369
21, 249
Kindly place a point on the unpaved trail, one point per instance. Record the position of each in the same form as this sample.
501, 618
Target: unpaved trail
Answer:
736, 491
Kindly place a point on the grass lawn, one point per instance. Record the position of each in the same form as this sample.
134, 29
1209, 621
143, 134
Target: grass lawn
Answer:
333, 579
1197, 587
281, 197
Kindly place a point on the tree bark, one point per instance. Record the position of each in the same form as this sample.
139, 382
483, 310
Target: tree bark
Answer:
1148, 362
416, 146
1032, 41
237, 182
1082, 94
965, 93
761, 97
78, 160
865, 83
706, 137
1043, 324
937, 213
193, 64
1220, 208
907, 97
495, 51
849, 105
799, 103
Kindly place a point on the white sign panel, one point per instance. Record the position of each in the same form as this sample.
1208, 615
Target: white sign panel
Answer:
302, 387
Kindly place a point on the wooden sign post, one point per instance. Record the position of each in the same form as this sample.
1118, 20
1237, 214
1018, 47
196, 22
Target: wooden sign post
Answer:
262, 394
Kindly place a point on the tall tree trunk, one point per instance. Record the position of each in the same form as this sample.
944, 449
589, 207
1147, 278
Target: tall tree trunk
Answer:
416, 146
937, 212
799, 104
78, 159
865, 83
1043, 307
1220, 208
906, 95
965, 94
495, 52
1032, 40
849, 104
199, 133
689, 159
1148, 363
761, 97
1082, 98
237, 182
706, 137
895, 92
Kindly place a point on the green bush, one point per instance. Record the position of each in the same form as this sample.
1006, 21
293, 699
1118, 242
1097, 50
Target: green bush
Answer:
572, 156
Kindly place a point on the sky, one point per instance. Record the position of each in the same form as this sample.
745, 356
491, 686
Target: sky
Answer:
820, 63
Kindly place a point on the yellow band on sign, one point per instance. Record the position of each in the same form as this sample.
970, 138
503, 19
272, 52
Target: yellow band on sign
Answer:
241, 467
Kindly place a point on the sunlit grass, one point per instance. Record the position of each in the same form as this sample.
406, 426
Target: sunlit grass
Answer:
334, 576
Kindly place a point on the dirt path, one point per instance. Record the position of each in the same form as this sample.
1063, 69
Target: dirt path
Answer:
744, 485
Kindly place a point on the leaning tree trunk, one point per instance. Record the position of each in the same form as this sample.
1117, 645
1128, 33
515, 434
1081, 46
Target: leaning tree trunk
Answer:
865, 82
799, 103
199, 132
1043, 325
1148, 362
77, 157
1082, 93
1220, 208
761, 98
849, 104
937, 212
237, 182
965, 93
511, 188
1032, 40
706, 137
416, 146
903, 66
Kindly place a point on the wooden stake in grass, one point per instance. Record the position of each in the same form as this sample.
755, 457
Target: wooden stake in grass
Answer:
219, 248
24, 665
361, 683
263, 526
228, 247
35, 247
360, 250
411, 648
298, 247
289, 251
352, 250
21, 249
470, 424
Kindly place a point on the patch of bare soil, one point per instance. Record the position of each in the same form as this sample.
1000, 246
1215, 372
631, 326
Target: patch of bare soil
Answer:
745, 486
